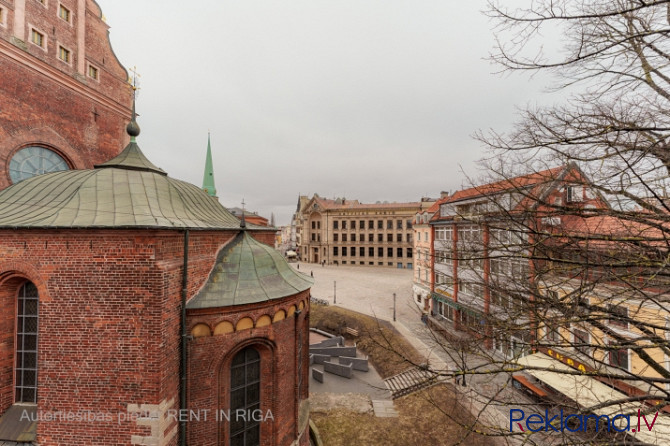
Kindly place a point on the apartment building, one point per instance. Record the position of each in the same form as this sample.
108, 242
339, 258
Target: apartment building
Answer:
347, 232
422, 285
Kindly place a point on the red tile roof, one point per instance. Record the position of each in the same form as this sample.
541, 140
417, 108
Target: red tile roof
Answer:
524, 181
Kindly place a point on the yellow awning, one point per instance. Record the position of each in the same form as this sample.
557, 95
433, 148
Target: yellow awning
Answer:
588, 392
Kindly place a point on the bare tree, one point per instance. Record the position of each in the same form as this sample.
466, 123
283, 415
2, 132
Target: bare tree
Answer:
559, 263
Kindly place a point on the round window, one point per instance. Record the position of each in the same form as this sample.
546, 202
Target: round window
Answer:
31, 161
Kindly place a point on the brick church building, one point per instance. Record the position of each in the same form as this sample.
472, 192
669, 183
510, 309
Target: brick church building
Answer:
134, 308
95, 269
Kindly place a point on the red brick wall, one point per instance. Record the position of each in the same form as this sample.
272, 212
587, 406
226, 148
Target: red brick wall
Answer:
109, 321
267, 237
80, 118
209, 369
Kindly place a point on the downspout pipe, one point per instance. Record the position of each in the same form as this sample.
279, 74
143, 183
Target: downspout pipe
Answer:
184, 342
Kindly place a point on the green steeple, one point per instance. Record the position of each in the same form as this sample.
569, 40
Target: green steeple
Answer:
208, 177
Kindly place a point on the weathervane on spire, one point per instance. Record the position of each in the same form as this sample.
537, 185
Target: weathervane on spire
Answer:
134, 80
133, 129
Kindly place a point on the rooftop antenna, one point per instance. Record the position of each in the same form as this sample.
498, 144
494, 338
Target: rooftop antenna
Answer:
243, 222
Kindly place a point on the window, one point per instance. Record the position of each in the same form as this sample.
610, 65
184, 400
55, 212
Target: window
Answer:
398, 224
619, 357
353, 251
618, 316
353, 237
398, 238
344, 250
64, 54
380, 224
245, 396
409, 253
441, 279
399, 251
574, 194
389, 224
389, 237
64, 13
313, 237
344, 224
552, 331
380, 252
409, 238
34, 160
313, 225
344, 237
353, 224
581, 341
371, 238
361, 251
37, 38
361, 224
371, 251
389, 252
336, 237
26, 344
318, 225
371, 224
445, 311
336, 251
93, 72
336, 224
380, 237
409, 224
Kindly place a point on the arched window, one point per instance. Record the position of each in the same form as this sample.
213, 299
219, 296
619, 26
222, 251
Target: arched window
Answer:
245, 393
26, 344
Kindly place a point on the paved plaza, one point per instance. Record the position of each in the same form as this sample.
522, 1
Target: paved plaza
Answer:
370, 289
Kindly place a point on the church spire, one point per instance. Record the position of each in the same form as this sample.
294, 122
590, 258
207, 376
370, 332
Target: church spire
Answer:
208, 177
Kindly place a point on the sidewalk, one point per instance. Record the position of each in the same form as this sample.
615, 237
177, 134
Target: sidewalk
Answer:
369, 290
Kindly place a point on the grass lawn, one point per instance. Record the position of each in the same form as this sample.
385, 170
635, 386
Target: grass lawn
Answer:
429, 417
388, 351
432, 416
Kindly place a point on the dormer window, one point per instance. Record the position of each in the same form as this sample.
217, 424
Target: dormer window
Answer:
574, 194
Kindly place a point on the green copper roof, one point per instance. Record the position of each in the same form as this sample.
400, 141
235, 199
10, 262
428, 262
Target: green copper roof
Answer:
248, 271
208, 177
132, 158
127, 191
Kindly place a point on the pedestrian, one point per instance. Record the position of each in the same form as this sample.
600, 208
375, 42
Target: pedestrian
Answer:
298, 266
311, 273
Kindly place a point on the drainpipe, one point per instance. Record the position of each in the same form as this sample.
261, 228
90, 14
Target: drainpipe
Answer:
184, 340
298, 368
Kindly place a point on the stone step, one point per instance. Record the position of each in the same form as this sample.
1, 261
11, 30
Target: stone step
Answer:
410, 381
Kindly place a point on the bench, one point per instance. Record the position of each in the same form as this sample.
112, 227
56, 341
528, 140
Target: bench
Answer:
351, 331
532, 388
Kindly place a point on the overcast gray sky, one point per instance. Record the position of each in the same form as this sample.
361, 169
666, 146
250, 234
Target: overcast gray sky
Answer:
367, 99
